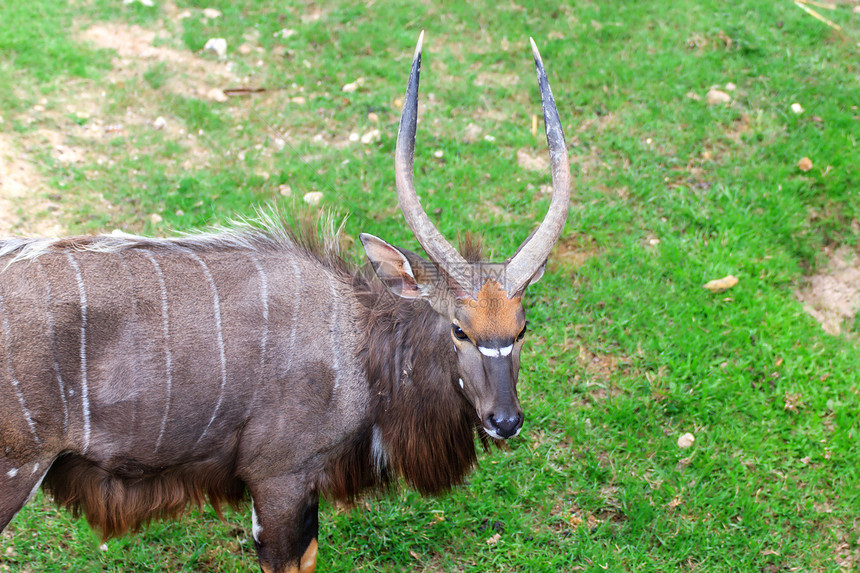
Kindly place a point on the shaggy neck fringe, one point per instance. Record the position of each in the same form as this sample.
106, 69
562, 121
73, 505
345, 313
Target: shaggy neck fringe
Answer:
421, 428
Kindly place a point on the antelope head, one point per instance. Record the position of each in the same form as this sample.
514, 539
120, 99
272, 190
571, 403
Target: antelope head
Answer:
482, 302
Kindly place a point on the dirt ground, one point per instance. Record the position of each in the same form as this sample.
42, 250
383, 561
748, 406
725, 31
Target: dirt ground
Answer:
832, 296
21, 185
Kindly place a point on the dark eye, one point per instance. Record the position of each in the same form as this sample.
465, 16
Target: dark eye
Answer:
522, 333
458, 332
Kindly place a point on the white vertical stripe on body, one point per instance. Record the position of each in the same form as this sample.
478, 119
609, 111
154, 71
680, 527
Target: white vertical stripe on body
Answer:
216, 304
85, 392
264, 338
11, 370
334, 332
53, 340
295, 319
168, 358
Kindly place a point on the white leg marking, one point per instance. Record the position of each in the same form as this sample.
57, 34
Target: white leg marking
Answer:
12, 473
11, 371
264, 296
52, 337
85, 393
377, 451
220, 335
256, 529
168, 358
335, 333
506, 350
491, 352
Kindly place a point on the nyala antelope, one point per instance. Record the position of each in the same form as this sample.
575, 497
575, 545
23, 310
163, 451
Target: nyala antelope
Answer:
141, 376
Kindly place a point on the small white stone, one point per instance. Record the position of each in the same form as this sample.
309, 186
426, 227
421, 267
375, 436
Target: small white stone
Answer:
217, 46
285, 190
797, 108
438, 154
489, 138
285, 33
216, 94
730, 87
371, 136
313, 198
353, 137
159, 123
686, 440
353, 86
211, 13
715, 96
155, 218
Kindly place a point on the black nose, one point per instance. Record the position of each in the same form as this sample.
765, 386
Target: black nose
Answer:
505, 424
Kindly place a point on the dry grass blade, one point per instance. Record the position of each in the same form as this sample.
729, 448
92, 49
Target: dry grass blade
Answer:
816, 15
818, 4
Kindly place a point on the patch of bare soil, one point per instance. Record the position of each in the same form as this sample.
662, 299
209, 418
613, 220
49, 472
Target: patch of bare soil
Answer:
21, 187
186, 72
572, 251
832, 297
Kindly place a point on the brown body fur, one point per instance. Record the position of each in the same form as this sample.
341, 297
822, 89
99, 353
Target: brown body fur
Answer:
119, 483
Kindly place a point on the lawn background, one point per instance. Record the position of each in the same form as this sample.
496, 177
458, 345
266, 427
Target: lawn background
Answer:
626, 351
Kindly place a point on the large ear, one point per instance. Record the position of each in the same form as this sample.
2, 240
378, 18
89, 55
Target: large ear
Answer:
538, 274
535, 278
394, 269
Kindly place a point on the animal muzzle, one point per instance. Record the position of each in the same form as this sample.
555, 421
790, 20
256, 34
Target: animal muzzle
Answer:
503, 423
500, 412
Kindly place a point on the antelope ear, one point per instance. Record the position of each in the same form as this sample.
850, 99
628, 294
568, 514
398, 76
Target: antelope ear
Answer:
538, 274
535, 278
393, 268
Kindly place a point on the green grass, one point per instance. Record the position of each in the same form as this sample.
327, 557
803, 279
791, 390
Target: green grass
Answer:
626, 351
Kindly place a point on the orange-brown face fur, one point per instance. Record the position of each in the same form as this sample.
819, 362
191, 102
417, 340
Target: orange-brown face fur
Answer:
491, 316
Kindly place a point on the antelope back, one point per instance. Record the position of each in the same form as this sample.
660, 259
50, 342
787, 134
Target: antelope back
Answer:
163, 347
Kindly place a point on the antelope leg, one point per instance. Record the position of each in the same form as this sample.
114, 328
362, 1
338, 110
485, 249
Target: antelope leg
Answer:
285, 525
18, 483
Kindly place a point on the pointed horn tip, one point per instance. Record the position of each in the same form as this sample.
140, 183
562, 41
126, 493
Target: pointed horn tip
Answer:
419, 45
535, 51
